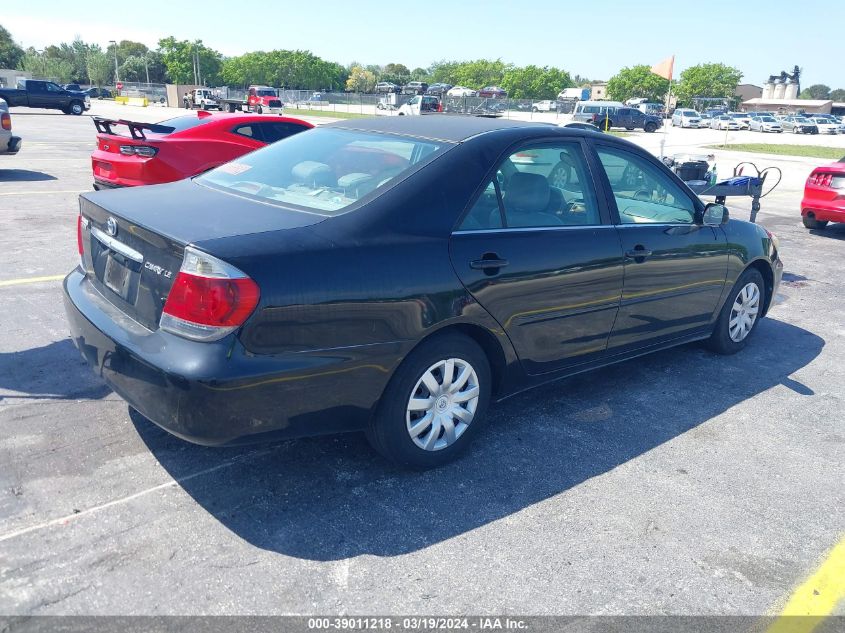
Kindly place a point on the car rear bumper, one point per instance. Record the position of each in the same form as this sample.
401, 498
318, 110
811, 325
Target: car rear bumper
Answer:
100, 185
216, 393
832, 211
13, 146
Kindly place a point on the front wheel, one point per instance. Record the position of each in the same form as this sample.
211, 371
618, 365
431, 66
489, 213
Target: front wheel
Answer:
740, 314
434, 404
76, 108
650, 127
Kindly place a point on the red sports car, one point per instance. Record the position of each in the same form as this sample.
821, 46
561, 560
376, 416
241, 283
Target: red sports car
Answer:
824, 196
153, 153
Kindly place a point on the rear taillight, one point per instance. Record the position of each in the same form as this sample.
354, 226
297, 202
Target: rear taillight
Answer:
80, 245
209, 298
138, 150
820, 180
6, 121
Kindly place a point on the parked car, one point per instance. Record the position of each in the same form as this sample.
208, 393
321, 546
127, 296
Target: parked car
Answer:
397, 275
547, 105
825, 126
461, 91
414, 88
438, 89
421, 104
724, 122
153, 153
9, 143
387, 86
46, 94
705, 119
683, 117
799, 125
628, 118
73, 87
581, 125
742, 118
493, 92
824, 196
765, 124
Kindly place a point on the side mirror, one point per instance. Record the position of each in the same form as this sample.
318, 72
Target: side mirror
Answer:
715, 214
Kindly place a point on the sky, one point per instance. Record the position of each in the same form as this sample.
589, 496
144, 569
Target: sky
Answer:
591, 39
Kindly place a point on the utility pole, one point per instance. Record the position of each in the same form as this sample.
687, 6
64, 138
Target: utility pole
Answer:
147, 67
116, 74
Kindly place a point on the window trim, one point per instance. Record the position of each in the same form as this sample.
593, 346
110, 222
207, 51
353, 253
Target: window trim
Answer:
604, 211
697, 203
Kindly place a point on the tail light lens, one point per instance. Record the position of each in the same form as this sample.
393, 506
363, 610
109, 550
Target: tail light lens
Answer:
6, 121
81, 225
138, 150
209, 298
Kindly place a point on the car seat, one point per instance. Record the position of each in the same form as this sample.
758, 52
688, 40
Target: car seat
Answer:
527, 201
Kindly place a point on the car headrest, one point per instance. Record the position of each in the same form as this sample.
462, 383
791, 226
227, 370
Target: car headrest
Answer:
527, 193
312, 173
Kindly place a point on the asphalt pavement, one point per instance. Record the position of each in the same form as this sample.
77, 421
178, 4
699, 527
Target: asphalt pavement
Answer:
678, 483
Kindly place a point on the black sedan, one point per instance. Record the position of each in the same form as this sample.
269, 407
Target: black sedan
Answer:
396, 275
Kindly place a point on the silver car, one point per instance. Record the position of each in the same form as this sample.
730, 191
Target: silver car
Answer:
724, 122
686, 118
765, 124
9, 144
825, 125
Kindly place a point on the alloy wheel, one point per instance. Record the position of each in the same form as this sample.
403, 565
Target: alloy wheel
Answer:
442, 404
744, 312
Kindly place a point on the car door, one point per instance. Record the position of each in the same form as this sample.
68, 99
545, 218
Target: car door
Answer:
537, 250
675, 266
37, 93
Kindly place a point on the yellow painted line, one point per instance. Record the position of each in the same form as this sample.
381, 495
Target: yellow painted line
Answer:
816, 598
30, 280
40, 193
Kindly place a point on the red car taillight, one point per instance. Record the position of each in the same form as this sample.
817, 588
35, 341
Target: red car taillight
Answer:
81, 223
820, 180
6, 121
209, 298
138, 150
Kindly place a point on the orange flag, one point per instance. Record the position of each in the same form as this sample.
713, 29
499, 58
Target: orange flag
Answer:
664, 68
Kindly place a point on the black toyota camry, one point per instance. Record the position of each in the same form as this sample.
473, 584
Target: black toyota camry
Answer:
396, 275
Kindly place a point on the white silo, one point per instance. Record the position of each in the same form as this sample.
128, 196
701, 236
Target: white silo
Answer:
791, 90
767, 90
780, 90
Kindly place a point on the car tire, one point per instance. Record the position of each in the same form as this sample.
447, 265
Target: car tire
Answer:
650, 127
813, 223
733, 328
795, 130
76, 108
399, 430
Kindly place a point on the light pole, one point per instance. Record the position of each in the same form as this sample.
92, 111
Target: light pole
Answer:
116, 75
147, 67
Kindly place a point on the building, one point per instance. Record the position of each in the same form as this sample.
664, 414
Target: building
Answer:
9, 77
789, 106
598, 91
748, 91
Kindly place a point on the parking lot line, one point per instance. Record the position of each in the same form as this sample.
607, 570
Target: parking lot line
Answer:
168, 484
817, 597
30, 280
40, 193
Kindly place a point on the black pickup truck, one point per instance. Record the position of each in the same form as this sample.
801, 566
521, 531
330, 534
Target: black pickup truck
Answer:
46, 94
628, 118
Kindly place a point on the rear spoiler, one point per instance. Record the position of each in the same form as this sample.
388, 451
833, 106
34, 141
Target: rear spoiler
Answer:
104, 126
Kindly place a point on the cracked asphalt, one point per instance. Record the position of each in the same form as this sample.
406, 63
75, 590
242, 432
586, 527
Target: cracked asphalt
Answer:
679, 483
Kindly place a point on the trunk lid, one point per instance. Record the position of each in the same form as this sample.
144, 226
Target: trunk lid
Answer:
134, 239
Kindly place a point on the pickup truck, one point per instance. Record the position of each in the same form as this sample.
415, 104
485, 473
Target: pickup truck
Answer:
201, 98
628, 118
35, 93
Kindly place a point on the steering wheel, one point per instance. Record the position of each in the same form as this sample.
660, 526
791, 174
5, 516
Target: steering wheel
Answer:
643, 195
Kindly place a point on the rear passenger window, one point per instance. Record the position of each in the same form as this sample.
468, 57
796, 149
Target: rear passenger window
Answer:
539, 186
249, 131
276, 131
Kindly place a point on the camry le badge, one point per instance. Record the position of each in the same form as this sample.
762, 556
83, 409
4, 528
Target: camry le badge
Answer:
111, 226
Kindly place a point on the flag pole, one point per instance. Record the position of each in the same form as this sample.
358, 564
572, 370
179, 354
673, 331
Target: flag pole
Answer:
665, 114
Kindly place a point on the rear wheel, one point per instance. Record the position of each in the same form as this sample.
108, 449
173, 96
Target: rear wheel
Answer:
812, 223
434, 404
740, 314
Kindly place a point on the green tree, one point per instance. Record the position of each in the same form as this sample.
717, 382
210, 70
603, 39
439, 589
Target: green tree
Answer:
708, 80
816, 91
637, 81
421, 74
397, 73
179, 57
838, 95
360, 80
287, 69
534, 82
43, 66
11, 54
99, 67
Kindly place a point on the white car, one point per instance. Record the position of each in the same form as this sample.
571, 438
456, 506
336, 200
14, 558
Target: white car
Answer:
461, 91
724, 122
742, 118
544, 106
766, 124
419, 105
686, 118
825, 125
9, 144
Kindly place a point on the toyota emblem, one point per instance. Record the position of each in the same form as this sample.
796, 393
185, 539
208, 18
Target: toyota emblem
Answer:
111, 226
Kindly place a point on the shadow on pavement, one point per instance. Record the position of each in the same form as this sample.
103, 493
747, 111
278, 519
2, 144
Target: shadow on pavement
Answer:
52, 372
332, 498
23, 175
832, 231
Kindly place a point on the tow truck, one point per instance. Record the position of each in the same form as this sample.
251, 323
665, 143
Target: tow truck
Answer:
258, 99
202, 99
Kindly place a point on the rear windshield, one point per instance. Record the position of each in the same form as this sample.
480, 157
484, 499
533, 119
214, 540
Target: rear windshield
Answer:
324, 171
182, 123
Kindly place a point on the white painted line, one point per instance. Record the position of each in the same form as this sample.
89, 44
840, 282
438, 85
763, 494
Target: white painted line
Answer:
40, 193
122, 500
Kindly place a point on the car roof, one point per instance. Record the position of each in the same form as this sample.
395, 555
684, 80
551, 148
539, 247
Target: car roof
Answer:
445, 127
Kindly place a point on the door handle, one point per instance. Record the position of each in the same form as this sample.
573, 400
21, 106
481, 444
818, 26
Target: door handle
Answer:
493, 263
639, 252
